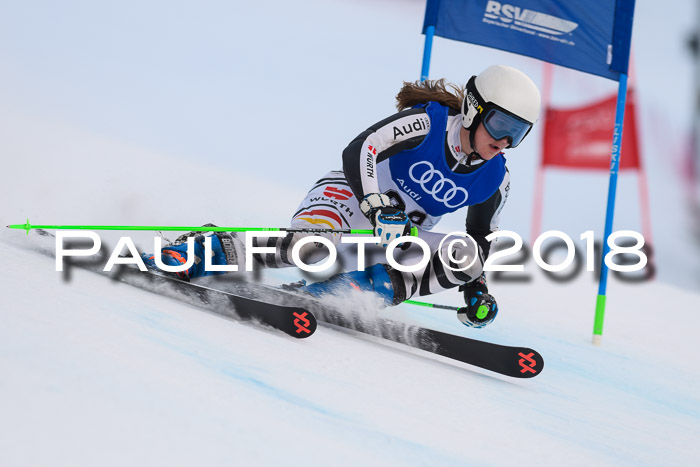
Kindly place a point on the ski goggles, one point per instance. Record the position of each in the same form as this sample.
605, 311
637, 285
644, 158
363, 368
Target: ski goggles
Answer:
501, 124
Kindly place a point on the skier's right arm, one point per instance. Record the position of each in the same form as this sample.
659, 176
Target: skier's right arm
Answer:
403, 130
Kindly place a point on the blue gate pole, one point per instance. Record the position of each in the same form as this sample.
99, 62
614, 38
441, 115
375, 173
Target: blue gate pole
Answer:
429, 33
614, 166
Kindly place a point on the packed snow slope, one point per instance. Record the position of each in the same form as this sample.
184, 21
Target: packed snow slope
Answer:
102, 373
175, 113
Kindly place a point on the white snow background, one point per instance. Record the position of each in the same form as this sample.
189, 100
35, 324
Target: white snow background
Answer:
226, 112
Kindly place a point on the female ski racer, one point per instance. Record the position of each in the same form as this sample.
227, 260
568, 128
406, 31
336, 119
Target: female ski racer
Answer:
441, 152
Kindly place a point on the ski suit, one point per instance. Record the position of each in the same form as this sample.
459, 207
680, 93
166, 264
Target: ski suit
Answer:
412, 157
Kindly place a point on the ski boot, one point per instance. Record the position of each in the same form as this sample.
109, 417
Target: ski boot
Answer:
226, 249
377, 279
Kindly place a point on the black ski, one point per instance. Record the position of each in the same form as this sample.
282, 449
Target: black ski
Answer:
296, 315
293, 320
517, 362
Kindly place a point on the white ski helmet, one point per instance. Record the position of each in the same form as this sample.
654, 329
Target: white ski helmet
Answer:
506, 100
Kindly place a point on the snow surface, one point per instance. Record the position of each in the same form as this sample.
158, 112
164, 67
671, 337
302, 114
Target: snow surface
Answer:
131, 114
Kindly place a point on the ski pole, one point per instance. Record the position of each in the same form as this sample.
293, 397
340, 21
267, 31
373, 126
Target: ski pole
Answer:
28, 227
432, 305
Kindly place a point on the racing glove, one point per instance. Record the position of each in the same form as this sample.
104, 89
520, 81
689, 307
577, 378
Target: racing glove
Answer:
389, 223
481, 308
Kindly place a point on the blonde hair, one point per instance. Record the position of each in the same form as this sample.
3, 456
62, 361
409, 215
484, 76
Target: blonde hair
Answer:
421, 92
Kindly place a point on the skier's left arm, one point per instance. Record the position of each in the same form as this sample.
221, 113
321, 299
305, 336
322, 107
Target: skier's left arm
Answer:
482, 220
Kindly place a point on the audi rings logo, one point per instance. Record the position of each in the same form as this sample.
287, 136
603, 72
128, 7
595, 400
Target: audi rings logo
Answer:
433, 182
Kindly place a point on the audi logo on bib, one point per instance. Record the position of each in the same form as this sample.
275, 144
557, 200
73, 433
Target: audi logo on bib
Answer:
433, 182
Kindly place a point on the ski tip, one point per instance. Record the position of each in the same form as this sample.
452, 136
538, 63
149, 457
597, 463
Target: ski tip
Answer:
530, 363
305, 323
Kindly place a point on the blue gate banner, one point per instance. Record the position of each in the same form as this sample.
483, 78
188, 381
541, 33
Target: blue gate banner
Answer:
592, 36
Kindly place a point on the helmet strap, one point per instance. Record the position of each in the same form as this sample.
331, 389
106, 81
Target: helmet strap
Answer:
472, 132
471, 88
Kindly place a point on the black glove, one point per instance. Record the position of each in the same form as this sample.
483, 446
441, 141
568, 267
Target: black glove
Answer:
481, 307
